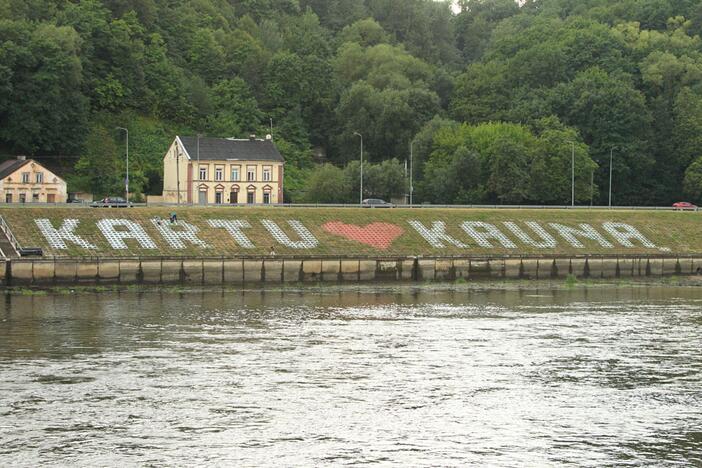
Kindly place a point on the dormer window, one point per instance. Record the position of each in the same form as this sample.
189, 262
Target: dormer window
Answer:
25, 177
40, 177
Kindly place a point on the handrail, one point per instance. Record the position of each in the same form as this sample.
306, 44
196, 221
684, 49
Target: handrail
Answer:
10, 236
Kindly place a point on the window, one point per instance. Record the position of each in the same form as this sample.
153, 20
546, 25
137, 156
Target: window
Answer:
35, 198
266, 198
25, 177
251, 173
23, 198
218, 198
233, 197
235, 173
40, 177
203, 173
219, 173
266, 174
251, 198
8, 198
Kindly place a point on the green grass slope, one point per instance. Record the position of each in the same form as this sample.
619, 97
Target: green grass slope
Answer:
672, 232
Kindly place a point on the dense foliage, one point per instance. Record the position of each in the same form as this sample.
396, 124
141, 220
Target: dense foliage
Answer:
495, 99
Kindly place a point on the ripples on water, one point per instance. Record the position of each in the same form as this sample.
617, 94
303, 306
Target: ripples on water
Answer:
403, 376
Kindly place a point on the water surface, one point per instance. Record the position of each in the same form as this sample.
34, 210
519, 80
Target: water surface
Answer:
395, 375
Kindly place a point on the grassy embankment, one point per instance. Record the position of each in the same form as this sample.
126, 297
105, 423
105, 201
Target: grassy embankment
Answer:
680, 232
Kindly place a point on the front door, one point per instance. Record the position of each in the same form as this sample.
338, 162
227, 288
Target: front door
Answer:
250, 198
233, 198
202, 197
50, 198
8, 198
218, 198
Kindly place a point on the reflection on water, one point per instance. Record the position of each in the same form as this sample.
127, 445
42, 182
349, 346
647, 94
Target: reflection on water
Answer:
337, 375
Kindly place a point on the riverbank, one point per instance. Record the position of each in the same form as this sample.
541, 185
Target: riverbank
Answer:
274, 270
458, 286
401, 232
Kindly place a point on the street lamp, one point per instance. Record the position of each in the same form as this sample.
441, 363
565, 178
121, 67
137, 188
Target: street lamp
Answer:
126, 179
411, 187
361, 192
198, 169
572, 175
611, 151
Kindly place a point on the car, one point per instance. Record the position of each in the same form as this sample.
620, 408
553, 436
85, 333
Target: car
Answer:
110, 202
683, 205
376, 203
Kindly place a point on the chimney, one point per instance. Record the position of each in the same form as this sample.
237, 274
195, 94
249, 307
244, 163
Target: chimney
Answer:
252, 137
21, 158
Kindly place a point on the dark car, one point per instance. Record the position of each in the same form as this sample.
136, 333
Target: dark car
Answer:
376, 203
683, 205
110, 202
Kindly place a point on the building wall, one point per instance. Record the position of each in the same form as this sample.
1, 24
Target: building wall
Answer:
14, 190
175, 163
191, 182
218, 178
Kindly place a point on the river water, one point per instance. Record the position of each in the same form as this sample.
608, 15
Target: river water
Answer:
391, 375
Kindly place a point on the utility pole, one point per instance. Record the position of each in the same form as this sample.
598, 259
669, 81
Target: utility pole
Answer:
126, 179
411, 187
611, 154
361, 192
592, 185
178, 173
198, 170
572, 175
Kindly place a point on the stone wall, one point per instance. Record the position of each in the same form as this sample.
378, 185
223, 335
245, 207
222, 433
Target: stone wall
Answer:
232, 271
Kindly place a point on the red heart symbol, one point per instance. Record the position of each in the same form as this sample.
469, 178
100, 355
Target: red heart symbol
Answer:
378, 235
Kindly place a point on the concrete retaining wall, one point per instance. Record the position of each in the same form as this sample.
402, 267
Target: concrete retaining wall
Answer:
230, 271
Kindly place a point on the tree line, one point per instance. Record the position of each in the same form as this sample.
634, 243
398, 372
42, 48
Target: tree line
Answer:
497, 101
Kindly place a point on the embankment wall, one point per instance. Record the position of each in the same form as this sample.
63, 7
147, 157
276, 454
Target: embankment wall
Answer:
241, 271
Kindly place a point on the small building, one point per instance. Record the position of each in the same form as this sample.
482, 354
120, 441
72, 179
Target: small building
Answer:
24, 180
223, 171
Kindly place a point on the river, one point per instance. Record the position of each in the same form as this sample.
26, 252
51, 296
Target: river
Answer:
403, 375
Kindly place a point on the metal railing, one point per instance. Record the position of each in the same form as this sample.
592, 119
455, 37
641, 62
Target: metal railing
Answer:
345, 205
10, 236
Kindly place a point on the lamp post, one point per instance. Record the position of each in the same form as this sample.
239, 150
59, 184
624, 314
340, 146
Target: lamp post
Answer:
198, 169
611, 155
126, 179
572, 175
411, 187
361, 192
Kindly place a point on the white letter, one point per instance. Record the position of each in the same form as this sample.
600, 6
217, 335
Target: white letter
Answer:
548, 241
173, 237
116, 238
490, 232
436, 234
587, 231
623, 232
234, 228
56, 237
308, 240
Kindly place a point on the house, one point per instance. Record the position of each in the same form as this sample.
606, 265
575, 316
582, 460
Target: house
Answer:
24, 180
222, 171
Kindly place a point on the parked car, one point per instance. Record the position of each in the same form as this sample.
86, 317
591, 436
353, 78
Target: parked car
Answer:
376, 203
75, 200
110, 202
683, 205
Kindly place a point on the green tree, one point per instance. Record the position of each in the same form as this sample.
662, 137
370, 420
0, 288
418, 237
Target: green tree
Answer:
327, 184
692, 183
98, 169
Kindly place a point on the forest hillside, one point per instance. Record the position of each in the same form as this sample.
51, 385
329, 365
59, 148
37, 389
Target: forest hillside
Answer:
493, 99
